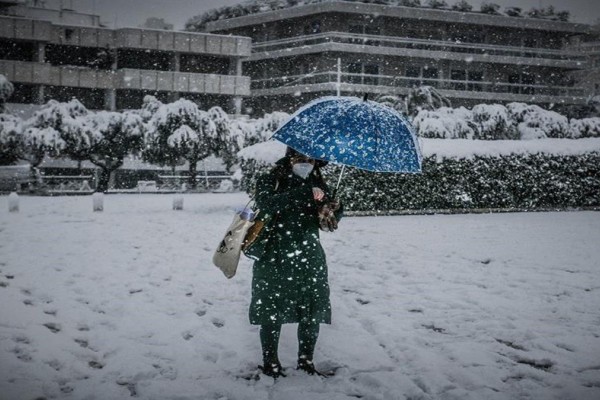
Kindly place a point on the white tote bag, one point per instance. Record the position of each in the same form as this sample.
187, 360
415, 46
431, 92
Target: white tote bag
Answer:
227, 256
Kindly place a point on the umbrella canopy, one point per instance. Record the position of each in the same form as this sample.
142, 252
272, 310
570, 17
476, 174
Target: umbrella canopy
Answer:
354, 132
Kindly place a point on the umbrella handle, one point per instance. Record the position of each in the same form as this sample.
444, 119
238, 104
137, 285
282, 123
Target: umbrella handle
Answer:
339, 180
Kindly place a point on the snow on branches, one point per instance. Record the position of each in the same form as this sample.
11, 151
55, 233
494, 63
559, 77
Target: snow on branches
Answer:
499, 122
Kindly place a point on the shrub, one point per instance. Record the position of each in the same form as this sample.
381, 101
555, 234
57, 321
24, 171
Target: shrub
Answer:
582, 128
490, 8
462, 6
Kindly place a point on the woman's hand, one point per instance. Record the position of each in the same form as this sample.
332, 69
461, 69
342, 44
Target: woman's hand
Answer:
318, 194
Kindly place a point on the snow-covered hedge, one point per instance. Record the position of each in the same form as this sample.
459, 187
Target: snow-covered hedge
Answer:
198, 23
496, 122
466, 174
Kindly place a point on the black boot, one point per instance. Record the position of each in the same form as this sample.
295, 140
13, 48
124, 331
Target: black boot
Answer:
306, 365
274, 370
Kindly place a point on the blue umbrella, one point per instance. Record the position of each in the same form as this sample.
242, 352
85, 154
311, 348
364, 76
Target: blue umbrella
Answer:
354, 132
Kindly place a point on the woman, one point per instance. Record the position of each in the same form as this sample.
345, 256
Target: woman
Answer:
289, 282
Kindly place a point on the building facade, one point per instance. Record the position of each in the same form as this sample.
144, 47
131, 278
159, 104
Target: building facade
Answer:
307, 51
48, 58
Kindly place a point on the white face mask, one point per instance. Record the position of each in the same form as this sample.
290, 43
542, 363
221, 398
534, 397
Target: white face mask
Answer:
303, 170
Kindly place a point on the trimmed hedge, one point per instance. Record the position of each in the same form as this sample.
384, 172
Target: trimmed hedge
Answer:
517, 181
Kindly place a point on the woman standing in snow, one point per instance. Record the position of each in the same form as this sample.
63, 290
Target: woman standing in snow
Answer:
289, 282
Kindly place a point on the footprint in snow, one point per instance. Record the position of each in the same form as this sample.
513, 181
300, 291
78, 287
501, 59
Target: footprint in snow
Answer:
168, 371
82, 342
54, 364
21, 339
22, 354
129, 385
95, 365
219, 323
53, 327
187, 335
201, 313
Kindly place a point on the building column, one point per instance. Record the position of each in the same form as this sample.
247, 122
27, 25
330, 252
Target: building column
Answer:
175, 67
236, 105
110, 99
235, 68
110, 95
40, 95
40, 55
176, 62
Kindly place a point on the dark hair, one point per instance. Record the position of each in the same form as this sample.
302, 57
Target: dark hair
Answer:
291, 152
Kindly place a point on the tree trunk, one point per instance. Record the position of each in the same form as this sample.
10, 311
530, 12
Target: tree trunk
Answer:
192, 172
102, 185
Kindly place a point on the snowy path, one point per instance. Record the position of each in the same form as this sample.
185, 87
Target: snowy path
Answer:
127, 303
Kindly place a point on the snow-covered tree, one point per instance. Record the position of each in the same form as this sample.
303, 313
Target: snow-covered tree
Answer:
177, 132
229, 141
425, 98
113, 136
39, 143
6, 90
11, 143
263, 128
149, 107
68, 119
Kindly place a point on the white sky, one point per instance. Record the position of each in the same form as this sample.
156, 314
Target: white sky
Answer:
134, 12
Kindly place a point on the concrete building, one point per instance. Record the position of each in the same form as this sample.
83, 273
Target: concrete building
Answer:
469, 57
60, 54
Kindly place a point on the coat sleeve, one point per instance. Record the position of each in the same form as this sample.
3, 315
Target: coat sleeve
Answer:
270, 201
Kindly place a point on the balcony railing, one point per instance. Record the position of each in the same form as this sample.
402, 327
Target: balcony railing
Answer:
331, 77
417, 44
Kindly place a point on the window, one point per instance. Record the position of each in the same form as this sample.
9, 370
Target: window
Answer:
529, 42
372, 30
365, 29
371, 69
514, 79
358, 71
354, 68
475, 76
313, 27
69, 33
430, 73
522, 80
413, 72
458, 75
527, 79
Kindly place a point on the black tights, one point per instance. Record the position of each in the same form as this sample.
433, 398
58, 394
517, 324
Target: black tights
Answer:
308, 333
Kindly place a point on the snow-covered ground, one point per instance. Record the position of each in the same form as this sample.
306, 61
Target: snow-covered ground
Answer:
126, 302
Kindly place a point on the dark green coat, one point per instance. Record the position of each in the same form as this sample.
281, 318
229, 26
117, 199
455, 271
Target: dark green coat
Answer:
289, 281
